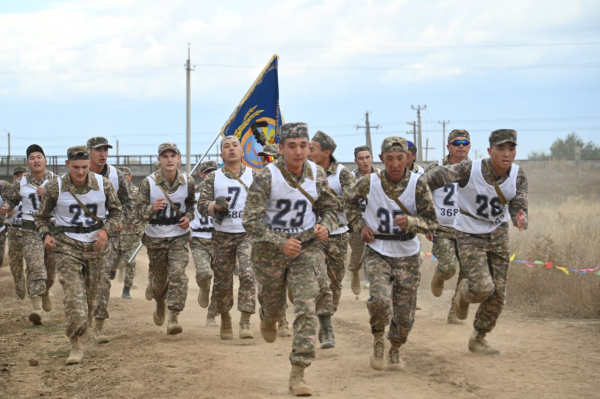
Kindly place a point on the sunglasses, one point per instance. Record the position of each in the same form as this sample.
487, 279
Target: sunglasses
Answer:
458, 143
268, 158
410, 144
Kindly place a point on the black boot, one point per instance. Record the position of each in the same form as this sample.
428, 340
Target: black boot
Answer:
125, 294
326, 336
113, 274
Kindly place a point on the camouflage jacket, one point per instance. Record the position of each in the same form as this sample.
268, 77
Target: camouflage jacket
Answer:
144, 208
258, 198
207, 193
133, 227
50, 198
426, 219
357, 175
346, 181
13, 196
461, 173
122, 193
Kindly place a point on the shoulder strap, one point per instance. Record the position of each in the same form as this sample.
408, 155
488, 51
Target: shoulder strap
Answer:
86, 210
235, 176
498, 191
289, 177
396, 200
173, 206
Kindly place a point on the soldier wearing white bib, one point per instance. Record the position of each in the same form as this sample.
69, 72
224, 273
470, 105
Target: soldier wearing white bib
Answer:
87, 211
491, 192
445, 198
167, 199
413, 167
223, 197
399, 206
15, 241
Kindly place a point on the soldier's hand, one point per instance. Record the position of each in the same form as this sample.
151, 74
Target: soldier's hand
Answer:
120, 229
100, 243
39, 191
401, 221
159, 204
366, 234
12, 213
292, 247
521, 220
222, 208
321, 232
3, 210
429, 236
49, 243
184, 223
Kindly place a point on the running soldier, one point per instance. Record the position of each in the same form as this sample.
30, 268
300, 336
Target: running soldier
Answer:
280, 215
5, 188
41, 264
87, 212
201, 247
444, 239
166, 206
335, 248
223, 197
98, 164
491, 192
413, 167
129, 239
399, 206
15, 241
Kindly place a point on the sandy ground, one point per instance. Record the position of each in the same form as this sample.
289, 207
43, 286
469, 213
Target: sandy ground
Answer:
540, 358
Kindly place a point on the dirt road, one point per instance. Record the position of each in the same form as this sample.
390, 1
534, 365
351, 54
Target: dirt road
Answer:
540, 358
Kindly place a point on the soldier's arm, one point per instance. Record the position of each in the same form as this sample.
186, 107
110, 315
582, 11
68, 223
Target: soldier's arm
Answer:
113, 206
352, 199
346, 181
144, 208
426, 220
327, 202
12, 194
439, 177
190, 201
124, 197
206, 201
431, 166
521, 200
254, 210
47, 204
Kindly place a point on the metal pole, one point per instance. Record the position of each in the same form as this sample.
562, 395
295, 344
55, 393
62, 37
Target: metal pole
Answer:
188, 119
368, 130
443, 123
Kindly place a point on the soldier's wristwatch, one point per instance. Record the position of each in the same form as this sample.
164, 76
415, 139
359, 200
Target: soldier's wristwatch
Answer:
44, 234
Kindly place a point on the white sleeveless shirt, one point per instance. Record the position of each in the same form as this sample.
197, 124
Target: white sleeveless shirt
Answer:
226, 187
113, 177
29, 198
69, 213
16, 220
336, 186
380, 214
178, 198
201, 222
446, 205
288, 210
479, 199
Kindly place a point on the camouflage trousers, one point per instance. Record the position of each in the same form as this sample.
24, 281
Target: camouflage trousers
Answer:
335, 249
484, 261
226, 247
169, 257
358, 252
204, 262
127, 247
392, 293
79, 269
276, 272
109, 253
2, 245
15, 258
445, 249
41, 264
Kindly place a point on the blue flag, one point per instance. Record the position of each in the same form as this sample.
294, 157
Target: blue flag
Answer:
260, 104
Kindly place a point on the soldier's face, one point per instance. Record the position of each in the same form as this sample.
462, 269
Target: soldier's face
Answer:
36, 161
99, 156
231, 151
78, 170
129, 177
461, 151
364, 160
503, 155
168, 160
294, 152
395, 164
317, 154
18, 175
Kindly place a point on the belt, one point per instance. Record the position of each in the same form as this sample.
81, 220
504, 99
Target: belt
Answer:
395, 237
204, 230
80, 229
307, 242
165, 222
28, 225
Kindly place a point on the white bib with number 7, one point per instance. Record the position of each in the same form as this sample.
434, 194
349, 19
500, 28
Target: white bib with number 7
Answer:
226, 187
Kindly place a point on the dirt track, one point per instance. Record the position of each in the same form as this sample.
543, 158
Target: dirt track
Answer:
540, 358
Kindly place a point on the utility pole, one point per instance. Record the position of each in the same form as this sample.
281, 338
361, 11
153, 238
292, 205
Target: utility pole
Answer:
443, 123
427, 148
367, 128
8, 159
117, 149
188, 120
414, 132
420, 147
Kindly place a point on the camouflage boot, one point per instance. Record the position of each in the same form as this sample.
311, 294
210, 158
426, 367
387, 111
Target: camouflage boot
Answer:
172, 326
355, 285
395, 362
437, 284
76, 354
452, 319
126, 294
46, 302
268, 331
149, 295
245, 332
203, 295
290, 297
36, 313
159, 313
326, 336
478, 344
283, 329
377, 357
297, 385
226, 328
99, 335
461, 308
210, 320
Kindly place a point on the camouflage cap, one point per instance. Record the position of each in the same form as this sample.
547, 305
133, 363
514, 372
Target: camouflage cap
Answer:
168, 146
325, 141
125, 170
411, 147
501, 136
388, 144
456, 133
226, 138
98, 141
270, 149
208, 165
293, 131
78, 152
19, 169
361, 149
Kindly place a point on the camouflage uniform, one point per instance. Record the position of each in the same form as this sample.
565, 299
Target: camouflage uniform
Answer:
15, 253
5, 188
484, 258
79, 266
274, 271
394, 280
226, 248
129, 239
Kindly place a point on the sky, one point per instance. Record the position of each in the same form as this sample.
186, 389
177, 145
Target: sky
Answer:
115, 68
